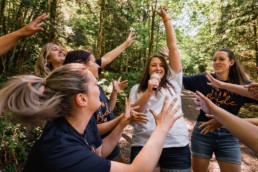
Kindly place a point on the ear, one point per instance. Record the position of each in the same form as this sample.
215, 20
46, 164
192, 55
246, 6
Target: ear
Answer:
232, 62
81, 99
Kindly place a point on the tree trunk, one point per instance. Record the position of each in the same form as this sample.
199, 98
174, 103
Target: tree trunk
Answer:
153, 8
100, 43
52, 18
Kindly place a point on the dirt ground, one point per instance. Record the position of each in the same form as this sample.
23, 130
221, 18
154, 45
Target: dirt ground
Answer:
249, 158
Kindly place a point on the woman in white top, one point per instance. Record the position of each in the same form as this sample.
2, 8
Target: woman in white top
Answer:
168, 80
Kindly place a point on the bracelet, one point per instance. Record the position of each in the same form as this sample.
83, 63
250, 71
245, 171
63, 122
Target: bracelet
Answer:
166, 19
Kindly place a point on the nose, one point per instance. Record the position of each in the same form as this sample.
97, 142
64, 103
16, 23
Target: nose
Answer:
158, 68
215, 61
97, 65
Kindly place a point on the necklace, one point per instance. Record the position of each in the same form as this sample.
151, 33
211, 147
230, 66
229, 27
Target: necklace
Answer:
92, 148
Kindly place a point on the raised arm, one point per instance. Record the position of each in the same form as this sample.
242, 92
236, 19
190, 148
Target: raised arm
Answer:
164, 121
118, 85
245, 131
109, 142
250, 91
110, 56
109, 125
10, 40
174, 54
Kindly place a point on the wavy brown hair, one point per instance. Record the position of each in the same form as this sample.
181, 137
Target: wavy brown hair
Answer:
164, 83
42, 66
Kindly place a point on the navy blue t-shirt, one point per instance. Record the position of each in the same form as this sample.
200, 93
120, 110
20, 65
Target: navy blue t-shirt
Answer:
104, 114
223, 98
62, 148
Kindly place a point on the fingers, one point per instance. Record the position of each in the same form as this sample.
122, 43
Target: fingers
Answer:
154, 114
135, 107
254, 84
197, 100
171, 106
165, 104
206, 130
252, 87
125, 82
39, 22
209, 115
204, 127
175, 110
163, 9
43, 16
139, 118
132, 36
201, 96
127, 106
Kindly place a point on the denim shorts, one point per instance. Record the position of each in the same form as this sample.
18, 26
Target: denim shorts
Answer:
175, 159
224, 145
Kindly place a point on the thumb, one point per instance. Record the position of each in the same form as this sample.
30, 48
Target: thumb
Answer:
154, 114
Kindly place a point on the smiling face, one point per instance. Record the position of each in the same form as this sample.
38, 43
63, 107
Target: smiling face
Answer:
222, 64
156, 66
56, 56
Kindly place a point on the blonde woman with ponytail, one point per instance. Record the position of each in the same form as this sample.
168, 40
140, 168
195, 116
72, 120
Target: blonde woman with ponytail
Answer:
70, 141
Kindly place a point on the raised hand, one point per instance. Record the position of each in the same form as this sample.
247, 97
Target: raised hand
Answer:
162, 12
131, 114
168, 115
213, 82
131, 38
208, 107
201, 104
253, 89
119, 85
164, 51
126, 119
34, 26
138, 117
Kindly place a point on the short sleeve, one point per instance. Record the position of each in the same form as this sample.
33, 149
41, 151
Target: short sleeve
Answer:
133, 93
176, 80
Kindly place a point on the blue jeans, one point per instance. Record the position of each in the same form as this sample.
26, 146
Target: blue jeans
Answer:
175, 159
224, 145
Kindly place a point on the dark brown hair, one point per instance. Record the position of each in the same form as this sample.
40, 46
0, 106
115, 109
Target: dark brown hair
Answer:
164, 83
236, 72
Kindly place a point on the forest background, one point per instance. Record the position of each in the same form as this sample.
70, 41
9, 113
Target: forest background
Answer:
202, 27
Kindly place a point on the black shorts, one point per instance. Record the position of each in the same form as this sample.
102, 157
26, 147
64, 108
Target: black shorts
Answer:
171, 158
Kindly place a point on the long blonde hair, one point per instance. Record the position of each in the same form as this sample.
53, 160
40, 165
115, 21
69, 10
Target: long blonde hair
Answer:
22, 97
42, 66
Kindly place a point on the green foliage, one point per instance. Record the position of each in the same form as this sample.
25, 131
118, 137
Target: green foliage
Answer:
202, 27
15, 144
